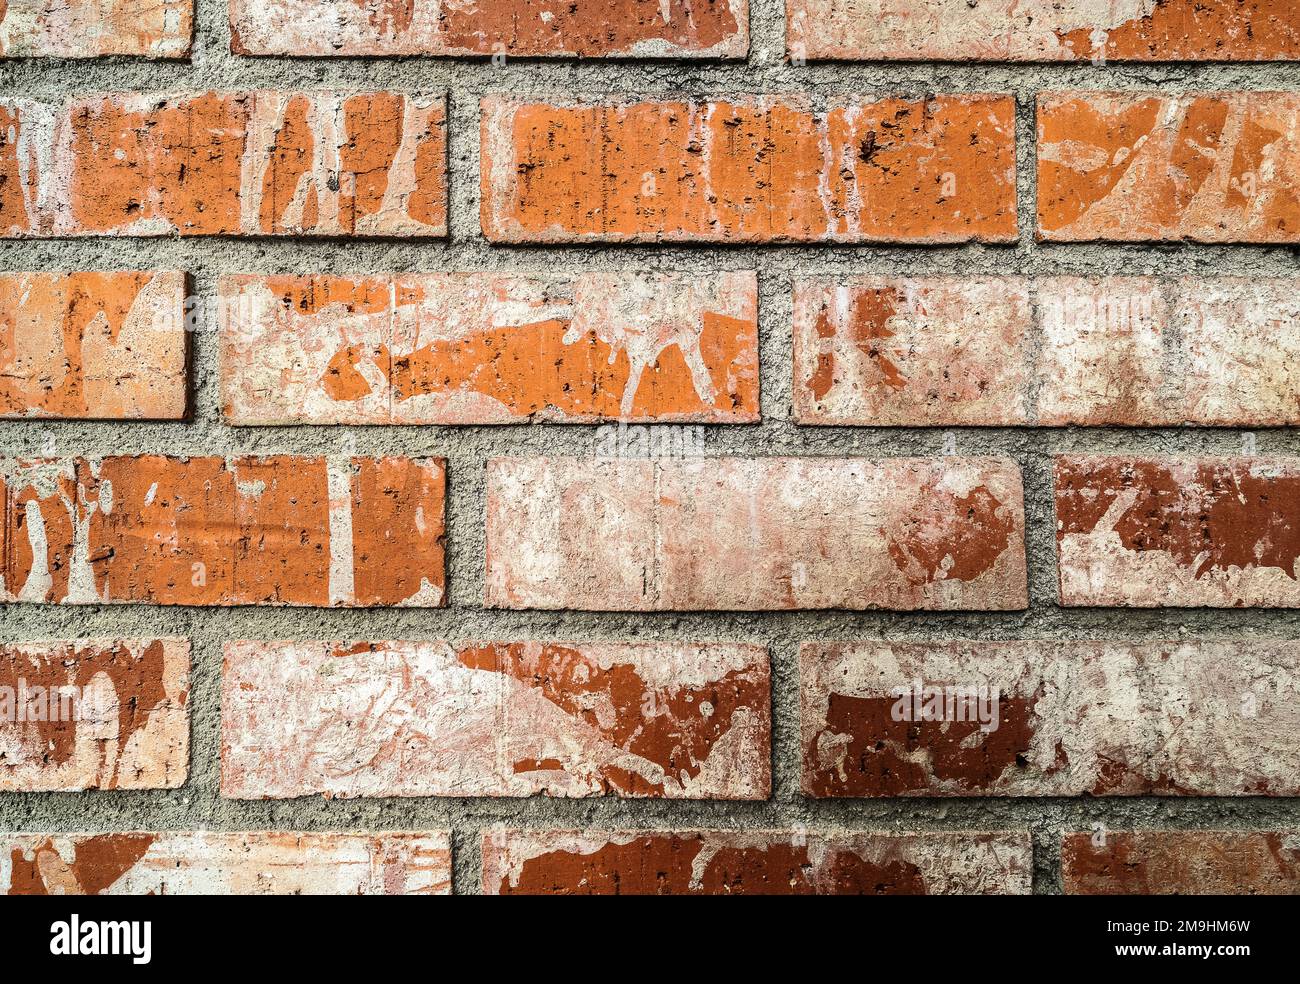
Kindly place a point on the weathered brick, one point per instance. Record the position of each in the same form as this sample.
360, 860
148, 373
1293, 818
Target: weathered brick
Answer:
278, 530
94, 714
1203, 167
203, 863
757, 862
760, 169
509, 28
1050, 718
1052, 351
91, 28
472, 348
495, 719
1173, 862
1045, 30
251, 163
93, 345
755, 534
1178, 532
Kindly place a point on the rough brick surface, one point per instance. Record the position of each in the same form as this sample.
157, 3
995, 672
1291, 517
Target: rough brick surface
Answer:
279, 530
754, 534
509, 28
202, 863
729, 862
1203, 167
1169, 862
495, 719
93, 345
764, 169
251, 163
1050, 718
1178, 532
1045, 30
90, 28
94, 714
474, 348
1052, 351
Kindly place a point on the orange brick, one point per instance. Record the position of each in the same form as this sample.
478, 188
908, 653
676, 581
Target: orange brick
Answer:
93, 345
1181, 862
279, 530
94, 714
90, 28
204, 863
755, 534
480, 348
763, 169
1203, 167
757, 862
1045, 30
252, 163
512, 28
666, 720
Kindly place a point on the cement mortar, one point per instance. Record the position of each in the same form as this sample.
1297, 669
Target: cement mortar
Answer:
198, 805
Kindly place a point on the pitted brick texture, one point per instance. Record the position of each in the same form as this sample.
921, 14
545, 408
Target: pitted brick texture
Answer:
496, 719
475, 349
91, 28
755, 534
769, 169
94, 714
502, 28
253, 163
1050, 719
1172, 862
758, 862
202, 863
280, 530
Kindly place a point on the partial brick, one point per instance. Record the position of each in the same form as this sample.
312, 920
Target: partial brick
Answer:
238, 163
755, 534
757, 862
1045, 30
506, 28
203, 863
92, 28
1050, 718
667, 720
1145, 167
1178, 532
1181, 862
94, 714
279, 530
1051, 351
107, 346
476, 348
760, 169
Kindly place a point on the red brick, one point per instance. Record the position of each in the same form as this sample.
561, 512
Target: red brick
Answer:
1045, 30
203, 863
93, 345
279, 530
760, 169
1052, 351
91, 28
1171, 862
1050, 718
755, 534
495, 719
474, 348
250, 163
94, 714
512, 28
1178, 532
1202, 167
757, 862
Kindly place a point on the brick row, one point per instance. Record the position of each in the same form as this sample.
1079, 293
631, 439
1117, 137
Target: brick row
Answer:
92, 28
1172, 862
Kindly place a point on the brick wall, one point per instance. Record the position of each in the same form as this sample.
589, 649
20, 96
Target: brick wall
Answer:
697, 446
